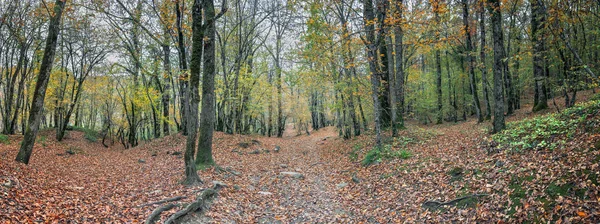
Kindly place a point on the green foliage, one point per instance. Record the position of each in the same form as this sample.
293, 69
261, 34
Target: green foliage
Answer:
403, 141
595, 97
4, 139
376, 155
89, 134
373, 156
549, 131
354, 154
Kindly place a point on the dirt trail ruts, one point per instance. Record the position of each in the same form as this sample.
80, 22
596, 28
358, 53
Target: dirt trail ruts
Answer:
271, 196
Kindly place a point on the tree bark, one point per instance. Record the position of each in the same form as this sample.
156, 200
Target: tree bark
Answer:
438, 63
537, 39
207, 118
471, 61
483, 67
399, 56
37, 107
191, 175
183, 69
496, 19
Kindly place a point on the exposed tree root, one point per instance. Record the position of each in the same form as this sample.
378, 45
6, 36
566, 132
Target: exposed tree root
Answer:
163, 201
437, 204
200, 203
155, 216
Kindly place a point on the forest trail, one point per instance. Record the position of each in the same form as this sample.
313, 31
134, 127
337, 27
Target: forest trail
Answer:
270, 196
97, 184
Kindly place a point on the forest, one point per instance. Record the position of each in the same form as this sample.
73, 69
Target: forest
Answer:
299, 111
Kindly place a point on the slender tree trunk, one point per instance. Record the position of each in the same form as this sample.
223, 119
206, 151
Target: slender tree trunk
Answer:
483, 67
496, 19
471, 61
399, 56
438, 64
183, 69
39, 94
167, 80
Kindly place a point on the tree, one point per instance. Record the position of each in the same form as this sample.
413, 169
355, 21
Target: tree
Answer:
207, 119
498, 39
540, 101
437, 7
372, 42
84, 50
39, 94
191, 175
471, 60
482, 57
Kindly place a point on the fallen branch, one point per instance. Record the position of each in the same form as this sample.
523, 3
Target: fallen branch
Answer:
163, 201
436, 204
155, 216
195, 206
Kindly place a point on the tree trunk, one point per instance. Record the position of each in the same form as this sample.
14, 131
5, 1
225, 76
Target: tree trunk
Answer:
471, 61
207, 118
496, 19
198, 32
537, 39
399, 56
183, 69
486, 94
39, 94
167, 86
438, 64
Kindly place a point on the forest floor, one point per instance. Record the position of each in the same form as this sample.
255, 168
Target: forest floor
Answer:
441, 163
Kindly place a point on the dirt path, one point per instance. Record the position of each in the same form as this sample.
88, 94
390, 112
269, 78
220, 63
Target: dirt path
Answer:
270, 196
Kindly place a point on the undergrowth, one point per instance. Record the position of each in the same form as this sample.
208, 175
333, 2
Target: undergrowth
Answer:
549, 131
4, 139
377, 154
89, 134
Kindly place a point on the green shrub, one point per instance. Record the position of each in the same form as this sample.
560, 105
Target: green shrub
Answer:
89, 134
354, 153
372, 156
4, 139
376, 155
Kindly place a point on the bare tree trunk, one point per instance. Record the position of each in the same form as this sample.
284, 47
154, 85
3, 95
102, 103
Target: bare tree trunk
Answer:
39, 94
496, 19
438, 64
198, 32
167, 79
207, 118
399, 54
471, 61
486, 95
183, 69
537, 39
